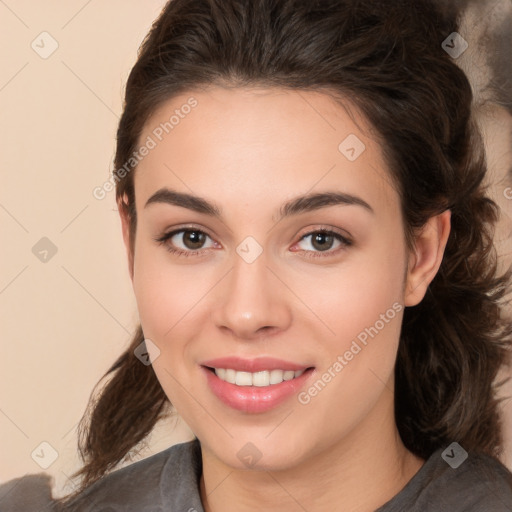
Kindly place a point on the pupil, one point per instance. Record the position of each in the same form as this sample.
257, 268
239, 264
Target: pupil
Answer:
322, 241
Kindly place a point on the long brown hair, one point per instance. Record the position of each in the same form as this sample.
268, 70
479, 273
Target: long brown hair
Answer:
387, 58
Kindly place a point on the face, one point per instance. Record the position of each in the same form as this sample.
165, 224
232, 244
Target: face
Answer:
259, 266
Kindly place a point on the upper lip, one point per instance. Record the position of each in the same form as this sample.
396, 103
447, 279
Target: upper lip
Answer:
253, 365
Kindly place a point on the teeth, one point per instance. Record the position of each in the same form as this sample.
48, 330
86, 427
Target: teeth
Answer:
243, 379
276, 376
260, 379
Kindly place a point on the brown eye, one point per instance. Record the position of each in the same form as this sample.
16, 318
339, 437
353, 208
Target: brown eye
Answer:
193, 239
185, 242
323, 241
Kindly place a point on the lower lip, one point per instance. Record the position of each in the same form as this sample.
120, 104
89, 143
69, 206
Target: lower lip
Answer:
254, 399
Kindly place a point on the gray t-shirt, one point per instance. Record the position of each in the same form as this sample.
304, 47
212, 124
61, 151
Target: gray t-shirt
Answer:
169, 482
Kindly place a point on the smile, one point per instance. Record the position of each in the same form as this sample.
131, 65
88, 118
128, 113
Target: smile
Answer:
255, 391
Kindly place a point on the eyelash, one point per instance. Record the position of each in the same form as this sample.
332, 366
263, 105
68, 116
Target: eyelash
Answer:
345, 242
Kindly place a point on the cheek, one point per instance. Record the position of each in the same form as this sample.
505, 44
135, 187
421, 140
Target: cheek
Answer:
355, 296
365, 311
165, 292
167, 300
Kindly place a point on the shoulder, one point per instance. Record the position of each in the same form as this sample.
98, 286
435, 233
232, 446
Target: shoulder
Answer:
30, 493
478, 484
150, 485
481, 483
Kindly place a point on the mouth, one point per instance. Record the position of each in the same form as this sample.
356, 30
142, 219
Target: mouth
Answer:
255, 391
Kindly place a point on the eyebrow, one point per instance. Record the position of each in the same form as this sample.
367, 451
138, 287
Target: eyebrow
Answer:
302, 204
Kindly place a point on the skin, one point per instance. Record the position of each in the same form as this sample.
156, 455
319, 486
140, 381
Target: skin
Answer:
249, 151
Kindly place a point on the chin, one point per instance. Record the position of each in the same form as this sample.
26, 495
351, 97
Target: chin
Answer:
259, 454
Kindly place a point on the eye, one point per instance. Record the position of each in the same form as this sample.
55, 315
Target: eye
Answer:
322, 241
191, 242
185, 242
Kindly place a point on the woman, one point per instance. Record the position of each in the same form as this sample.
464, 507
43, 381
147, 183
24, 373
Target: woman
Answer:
301, 193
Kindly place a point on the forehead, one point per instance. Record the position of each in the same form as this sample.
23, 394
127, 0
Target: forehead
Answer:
262, 144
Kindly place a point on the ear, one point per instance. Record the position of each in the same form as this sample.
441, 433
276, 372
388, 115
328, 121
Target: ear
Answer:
425, 260
125, 224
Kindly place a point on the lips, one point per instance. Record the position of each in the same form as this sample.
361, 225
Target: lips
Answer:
259, 364
255, 398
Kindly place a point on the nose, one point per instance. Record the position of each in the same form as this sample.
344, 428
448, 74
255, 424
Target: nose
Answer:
251, 301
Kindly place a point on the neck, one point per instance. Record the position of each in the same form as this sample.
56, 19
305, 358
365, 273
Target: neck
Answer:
360, 472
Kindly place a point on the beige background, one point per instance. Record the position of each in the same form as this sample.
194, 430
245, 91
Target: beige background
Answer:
64, 320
